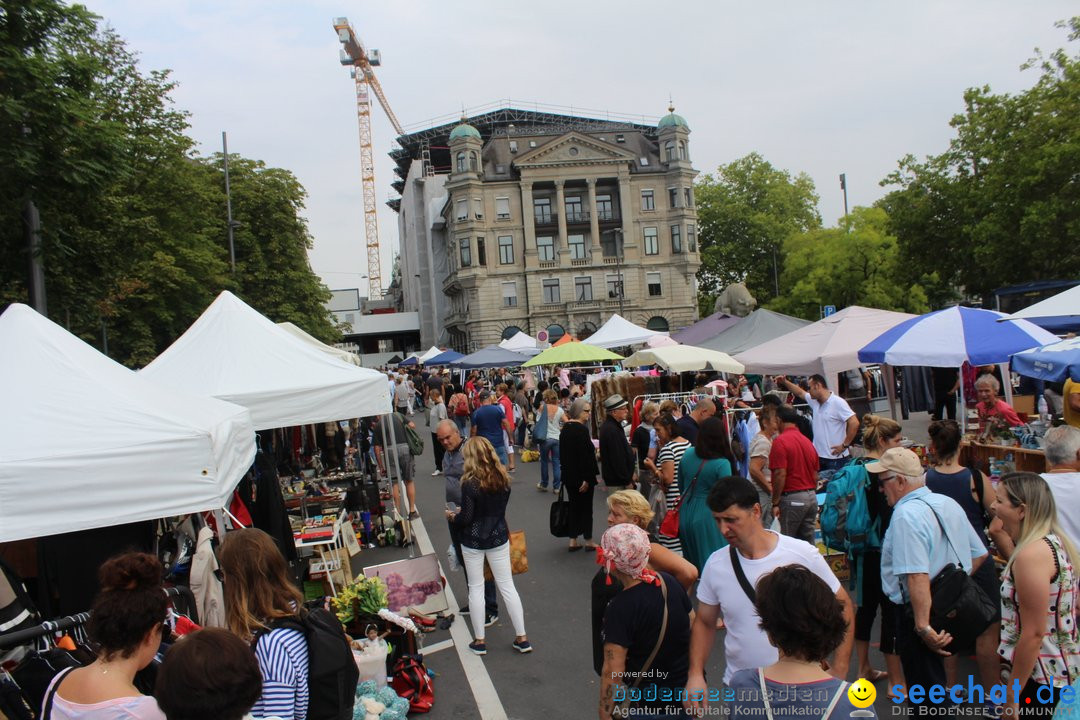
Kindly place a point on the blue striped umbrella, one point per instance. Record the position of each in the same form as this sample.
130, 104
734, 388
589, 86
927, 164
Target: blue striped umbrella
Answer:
1053, 362
951, 337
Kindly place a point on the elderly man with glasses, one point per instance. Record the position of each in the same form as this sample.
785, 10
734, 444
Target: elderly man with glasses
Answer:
927, 532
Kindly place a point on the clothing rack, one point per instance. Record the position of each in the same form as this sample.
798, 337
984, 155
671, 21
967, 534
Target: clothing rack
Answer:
20, 637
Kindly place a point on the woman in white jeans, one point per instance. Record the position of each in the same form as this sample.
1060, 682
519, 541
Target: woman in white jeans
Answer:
485, 490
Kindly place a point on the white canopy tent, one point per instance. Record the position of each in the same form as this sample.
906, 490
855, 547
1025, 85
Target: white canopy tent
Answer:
433, 351
87, 443
827, 347
233, 353
1064, 305
620, 332
522, 343
343, 355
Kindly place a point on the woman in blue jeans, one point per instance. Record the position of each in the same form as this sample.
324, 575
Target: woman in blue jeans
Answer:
549, 423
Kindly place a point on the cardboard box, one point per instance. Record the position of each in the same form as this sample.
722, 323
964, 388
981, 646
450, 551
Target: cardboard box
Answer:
1024, 404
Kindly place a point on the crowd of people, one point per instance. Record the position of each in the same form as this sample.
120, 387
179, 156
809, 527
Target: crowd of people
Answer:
741, 558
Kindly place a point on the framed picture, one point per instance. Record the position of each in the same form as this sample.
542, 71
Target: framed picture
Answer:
348, 534
414, 583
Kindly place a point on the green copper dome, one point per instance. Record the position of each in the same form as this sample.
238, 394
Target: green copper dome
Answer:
464, 130
672, 120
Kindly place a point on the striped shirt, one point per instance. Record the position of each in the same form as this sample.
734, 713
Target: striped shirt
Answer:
672, 452
283, 659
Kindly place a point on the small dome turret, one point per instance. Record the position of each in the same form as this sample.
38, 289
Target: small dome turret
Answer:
464, 130
672, 120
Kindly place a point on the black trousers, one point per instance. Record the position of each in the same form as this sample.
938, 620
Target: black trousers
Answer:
581, 508
440, 451
922, 665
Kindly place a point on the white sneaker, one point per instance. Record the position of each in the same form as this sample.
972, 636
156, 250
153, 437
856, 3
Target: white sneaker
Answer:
437, 472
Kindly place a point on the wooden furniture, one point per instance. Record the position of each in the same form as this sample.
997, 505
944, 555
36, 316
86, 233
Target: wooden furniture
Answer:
979, 454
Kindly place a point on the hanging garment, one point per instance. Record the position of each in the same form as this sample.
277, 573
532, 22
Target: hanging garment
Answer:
209, 595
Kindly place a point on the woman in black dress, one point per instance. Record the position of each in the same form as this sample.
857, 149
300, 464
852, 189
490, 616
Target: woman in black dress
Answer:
577, 456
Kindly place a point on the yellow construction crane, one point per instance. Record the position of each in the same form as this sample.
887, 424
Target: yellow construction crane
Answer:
356, 56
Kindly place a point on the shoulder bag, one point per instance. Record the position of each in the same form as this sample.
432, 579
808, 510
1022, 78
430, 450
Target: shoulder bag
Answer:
620, 710
670, 526
416, 443
840, 691
958, 605
559, 521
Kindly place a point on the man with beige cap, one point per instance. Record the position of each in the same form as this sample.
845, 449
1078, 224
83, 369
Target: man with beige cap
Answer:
927, 532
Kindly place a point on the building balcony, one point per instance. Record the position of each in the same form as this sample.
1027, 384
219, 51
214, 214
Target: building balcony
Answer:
545, 219
608, 216
577, 217
546, 264
611, 260
581, 262
583, 305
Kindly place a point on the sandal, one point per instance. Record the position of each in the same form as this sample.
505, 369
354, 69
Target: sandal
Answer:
574, 548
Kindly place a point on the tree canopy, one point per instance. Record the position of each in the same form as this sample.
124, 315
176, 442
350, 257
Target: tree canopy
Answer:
133, 221
1002, 204
745, 213
854, 264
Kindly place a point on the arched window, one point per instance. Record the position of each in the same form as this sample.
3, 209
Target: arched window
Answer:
586, 330
472, 160
657, 324
669, 150
461, 162
510, 331
682, 149
555, 332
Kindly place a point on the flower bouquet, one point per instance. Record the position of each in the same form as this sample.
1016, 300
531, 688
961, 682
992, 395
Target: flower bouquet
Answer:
359, 604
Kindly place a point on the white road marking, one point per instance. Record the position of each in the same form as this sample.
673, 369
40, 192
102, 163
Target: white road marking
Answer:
487, 699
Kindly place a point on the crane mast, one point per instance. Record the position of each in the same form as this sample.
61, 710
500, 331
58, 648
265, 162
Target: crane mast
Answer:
356, 56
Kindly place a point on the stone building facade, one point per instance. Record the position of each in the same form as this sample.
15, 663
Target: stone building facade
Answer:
559, 222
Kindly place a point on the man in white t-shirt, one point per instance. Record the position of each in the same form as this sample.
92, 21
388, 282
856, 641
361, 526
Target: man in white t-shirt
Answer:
1063, 476
835, 424
734, 505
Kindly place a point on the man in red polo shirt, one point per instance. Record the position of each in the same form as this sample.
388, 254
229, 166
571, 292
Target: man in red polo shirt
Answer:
793, 462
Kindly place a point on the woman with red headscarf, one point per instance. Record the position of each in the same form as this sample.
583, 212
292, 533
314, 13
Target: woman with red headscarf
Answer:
646, 629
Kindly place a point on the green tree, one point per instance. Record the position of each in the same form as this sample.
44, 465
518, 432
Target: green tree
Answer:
134, 226
745, 213
855, 264
1002, 204
273, 274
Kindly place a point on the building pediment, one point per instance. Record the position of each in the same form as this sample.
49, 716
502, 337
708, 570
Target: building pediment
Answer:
573, 149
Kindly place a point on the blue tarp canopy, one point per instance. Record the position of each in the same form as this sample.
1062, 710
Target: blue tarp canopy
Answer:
950, 337
445, 358
1053, 362
489, 357
409, 361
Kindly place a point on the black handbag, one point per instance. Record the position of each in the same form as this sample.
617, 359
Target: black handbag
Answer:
559, 521
958, 605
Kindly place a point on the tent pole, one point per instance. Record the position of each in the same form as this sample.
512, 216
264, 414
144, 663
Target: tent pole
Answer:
963, 403
1006, 381
890, 388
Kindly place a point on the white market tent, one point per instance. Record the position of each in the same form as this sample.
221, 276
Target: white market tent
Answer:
87, 443
620, 332
343, 355
432, 351
521, 343
828, 347
1064, 305
685, 358
233, 353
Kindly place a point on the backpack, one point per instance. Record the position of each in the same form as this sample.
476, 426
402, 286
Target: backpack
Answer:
332, 672
461, 409
845, 518
411, 682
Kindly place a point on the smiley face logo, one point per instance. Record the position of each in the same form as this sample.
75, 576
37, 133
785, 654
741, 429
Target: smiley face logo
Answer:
862, 693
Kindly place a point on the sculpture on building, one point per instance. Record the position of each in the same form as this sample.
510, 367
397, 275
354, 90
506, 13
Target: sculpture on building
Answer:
735, 300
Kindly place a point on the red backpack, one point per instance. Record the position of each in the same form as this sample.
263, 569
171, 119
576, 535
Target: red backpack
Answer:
411, 681
461, 409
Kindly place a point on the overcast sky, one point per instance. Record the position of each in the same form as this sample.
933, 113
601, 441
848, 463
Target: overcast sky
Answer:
818, 87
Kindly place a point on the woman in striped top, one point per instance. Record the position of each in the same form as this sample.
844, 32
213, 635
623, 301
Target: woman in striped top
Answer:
1040, 646
257, 593
672, 446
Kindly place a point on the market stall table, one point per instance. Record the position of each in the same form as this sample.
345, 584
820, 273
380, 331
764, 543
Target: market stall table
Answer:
980, 455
